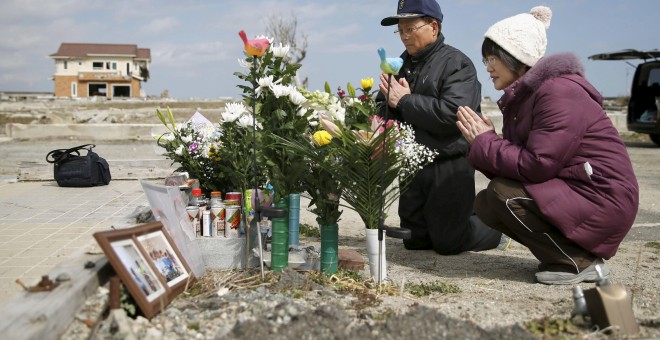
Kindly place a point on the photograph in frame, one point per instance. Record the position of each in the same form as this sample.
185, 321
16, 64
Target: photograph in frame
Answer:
164, 257
139, 270
152, 280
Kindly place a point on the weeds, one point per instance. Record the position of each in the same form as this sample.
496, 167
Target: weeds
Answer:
424, 289
309, 231
547, 328
653, 244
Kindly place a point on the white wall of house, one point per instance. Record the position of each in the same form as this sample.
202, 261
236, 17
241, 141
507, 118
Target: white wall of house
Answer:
121, 66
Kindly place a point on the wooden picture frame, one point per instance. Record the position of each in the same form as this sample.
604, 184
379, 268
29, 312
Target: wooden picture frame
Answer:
148, 263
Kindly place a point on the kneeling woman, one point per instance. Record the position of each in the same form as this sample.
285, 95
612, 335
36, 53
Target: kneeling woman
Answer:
562, 183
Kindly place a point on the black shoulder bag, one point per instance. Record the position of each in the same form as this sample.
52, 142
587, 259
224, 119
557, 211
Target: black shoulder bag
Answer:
73, 170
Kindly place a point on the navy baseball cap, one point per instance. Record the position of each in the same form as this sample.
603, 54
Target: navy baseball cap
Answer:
414, 9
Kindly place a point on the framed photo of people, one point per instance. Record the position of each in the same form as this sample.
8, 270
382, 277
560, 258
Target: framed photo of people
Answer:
148, 263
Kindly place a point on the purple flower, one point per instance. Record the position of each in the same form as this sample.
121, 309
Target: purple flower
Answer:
193, 147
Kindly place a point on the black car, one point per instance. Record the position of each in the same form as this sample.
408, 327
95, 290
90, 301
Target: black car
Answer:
644, 103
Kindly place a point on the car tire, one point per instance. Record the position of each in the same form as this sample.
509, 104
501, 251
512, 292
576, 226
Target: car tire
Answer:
655, 138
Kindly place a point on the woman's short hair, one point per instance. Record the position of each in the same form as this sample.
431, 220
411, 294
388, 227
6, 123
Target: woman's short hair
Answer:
489, 48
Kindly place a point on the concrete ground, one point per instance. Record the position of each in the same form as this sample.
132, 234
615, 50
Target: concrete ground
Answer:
41, 224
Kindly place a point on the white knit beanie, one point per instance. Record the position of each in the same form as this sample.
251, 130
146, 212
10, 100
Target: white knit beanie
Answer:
523, 35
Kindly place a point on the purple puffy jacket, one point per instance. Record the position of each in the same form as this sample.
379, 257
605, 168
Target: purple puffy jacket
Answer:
554, 122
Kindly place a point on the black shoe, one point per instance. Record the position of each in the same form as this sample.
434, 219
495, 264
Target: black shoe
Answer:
418, 244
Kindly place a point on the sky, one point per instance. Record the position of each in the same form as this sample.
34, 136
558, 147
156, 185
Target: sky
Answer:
195, 45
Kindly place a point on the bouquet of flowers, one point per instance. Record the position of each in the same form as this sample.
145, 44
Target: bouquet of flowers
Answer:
276, 103
194, 146
365, 159
235, 157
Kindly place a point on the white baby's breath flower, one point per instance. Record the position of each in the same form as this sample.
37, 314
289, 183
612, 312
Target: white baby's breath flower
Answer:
415, 155
281, 51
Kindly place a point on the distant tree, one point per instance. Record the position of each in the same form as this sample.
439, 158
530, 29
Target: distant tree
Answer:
285, 30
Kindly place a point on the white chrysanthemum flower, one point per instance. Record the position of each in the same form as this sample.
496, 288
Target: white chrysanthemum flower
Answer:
281, 51
296, 97
266, 81
186, 139
280, 90
233, 111
245, 121
179, 150
244, 63
168, 137
302, 112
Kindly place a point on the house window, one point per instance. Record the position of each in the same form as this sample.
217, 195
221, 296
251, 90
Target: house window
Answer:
97, 65
100, 90
74, 90
121, 91
66, 64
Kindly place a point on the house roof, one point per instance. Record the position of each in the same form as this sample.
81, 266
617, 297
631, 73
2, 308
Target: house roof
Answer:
80, 50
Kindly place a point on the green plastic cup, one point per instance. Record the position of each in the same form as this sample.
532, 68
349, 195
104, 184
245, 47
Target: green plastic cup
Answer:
279, 257
329, 248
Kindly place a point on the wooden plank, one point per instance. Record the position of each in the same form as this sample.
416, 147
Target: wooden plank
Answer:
46, 315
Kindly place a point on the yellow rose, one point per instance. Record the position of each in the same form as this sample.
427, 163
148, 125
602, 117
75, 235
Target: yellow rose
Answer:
367, 83
322, 138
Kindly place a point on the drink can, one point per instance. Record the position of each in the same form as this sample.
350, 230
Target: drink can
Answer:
234, 195
218, 216
232, 221
206, 223
193, 214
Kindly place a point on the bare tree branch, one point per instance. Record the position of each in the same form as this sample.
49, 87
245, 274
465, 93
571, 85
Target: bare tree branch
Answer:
285, 30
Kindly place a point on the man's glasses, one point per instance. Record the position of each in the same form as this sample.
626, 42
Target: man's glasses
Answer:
409, 31
489, 61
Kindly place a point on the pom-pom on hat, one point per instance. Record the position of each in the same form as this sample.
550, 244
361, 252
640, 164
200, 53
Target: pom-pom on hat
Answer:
523, 35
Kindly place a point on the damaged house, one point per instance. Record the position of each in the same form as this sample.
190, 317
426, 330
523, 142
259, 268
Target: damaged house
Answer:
104, 70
